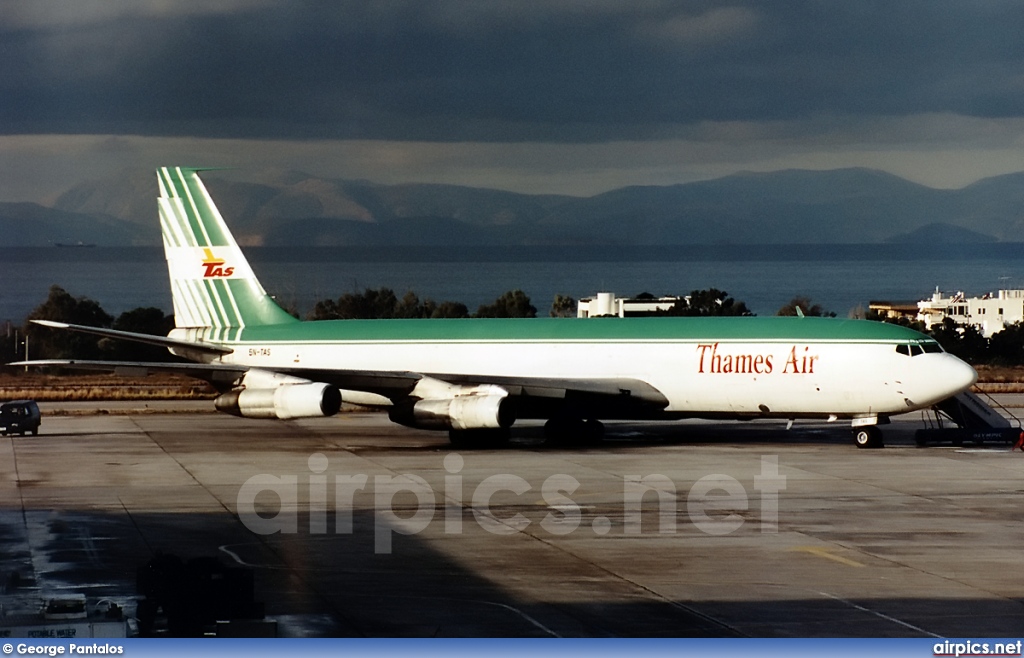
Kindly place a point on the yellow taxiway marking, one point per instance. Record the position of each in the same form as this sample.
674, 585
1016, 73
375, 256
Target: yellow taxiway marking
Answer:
826, 553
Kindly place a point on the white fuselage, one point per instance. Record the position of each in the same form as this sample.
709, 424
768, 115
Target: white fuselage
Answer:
778, 378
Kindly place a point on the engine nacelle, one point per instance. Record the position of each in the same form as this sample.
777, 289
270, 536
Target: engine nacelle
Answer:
465, 412
308, 400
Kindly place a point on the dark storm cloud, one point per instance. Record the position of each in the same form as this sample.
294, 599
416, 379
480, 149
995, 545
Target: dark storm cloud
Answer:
499, 71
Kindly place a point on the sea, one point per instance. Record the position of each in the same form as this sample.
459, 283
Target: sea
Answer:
841, 278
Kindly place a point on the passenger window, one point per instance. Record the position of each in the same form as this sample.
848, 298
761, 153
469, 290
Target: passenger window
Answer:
903, 349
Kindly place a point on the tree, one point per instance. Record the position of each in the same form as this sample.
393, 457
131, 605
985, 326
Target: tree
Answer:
367, 305
806, 307
564, 306
512, 304
60, 306
1006, 347
383, 304
371, 304
143, 320
10, 337
961, 340
324, 309
450, 310
410, 307
710, 302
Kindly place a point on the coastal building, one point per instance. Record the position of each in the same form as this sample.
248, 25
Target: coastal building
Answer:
989, 313
894, 310
607, 304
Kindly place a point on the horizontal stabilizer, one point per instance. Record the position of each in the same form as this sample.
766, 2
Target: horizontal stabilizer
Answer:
149, 339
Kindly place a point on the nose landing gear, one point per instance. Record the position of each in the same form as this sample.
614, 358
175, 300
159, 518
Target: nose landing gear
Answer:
868, 437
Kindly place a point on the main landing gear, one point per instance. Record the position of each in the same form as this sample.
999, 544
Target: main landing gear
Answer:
868, 437
479, 439
568, 431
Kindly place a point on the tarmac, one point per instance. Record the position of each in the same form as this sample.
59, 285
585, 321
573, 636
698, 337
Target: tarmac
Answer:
354, 526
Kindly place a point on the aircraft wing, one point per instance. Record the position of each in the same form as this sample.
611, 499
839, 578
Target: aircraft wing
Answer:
605, 394
621, 392
545, 387
394, 385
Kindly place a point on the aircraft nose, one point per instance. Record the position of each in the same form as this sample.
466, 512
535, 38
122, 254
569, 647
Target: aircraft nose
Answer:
948, 376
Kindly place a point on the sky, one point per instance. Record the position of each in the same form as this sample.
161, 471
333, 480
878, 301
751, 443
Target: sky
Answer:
571, 97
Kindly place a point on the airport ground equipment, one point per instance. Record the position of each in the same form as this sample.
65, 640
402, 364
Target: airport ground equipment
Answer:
969, 418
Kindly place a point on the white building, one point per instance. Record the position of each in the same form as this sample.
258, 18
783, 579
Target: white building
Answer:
989, 313
606, 303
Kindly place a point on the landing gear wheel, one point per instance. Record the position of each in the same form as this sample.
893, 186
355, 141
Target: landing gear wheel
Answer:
573, 432
868, 437
593, 432
479, 439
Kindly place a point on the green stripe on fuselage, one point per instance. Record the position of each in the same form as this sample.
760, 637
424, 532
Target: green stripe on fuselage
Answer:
771, 329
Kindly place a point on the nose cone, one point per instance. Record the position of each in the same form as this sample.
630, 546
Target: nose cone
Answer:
946, 377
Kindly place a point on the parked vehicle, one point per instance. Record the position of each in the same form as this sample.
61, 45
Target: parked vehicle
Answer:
20, 416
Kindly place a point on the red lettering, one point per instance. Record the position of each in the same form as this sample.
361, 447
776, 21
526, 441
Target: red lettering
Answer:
216, 269
710, 361
703, 349
802, 364
791, 361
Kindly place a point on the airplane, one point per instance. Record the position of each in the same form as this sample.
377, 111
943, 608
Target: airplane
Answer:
476, 377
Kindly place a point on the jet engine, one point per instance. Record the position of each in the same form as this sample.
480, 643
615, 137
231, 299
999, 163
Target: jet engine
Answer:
268, 395
463, 412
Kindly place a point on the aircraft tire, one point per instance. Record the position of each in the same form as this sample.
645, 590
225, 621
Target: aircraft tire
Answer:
593, 431
868, 437
479, 439
573, 432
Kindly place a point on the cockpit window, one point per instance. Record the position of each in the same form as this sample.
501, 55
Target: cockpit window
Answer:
924, 347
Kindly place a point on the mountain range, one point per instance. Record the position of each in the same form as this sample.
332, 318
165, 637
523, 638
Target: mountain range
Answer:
290, 208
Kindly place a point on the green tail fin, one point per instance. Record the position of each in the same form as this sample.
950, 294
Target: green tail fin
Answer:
212, 284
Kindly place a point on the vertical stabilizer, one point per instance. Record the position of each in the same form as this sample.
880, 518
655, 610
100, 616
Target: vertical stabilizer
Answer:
211, 282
